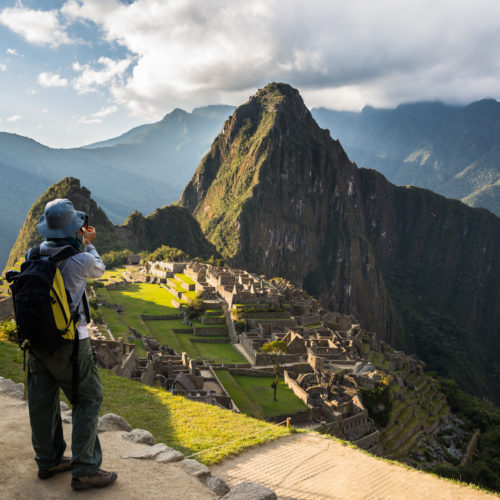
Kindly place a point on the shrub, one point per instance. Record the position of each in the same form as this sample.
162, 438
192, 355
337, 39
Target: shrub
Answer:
168, 254
116, 258
9, 329
240, 326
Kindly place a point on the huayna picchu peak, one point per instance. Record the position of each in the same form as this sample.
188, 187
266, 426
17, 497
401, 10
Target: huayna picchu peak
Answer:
277, 195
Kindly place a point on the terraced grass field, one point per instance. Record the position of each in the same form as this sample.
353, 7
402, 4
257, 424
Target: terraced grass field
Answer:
254, 395
148, 299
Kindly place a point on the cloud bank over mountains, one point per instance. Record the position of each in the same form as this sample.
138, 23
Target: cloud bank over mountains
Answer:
340, 54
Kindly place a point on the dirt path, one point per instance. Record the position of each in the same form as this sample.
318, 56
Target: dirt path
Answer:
137, 479
307, 466
302, 466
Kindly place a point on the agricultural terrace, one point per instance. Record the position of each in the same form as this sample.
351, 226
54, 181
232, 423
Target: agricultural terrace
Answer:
254, 395
125, 307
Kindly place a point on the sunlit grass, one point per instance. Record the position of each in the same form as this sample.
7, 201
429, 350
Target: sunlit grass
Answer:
185, 425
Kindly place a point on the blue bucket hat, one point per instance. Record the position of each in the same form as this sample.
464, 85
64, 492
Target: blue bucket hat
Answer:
60, 219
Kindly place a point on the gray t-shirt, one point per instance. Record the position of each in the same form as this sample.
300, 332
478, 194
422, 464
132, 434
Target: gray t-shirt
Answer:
75, 271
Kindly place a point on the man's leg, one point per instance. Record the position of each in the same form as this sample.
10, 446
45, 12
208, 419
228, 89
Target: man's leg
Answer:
45, 413
87, 455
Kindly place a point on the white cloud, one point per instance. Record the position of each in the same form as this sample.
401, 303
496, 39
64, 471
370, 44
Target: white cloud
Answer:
190, 52
12, 52
31, 91
14, 118
98, 116
3, 67
41, 27
110, 73
46, 79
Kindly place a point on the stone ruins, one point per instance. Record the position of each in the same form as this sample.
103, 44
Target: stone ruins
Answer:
325, 365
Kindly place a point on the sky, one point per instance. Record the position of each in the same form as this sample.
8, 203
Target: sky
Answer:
74, 72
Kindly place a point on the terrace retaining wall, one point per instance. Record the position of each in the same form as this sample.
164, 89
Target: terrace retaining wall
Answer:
210, 331
166, 317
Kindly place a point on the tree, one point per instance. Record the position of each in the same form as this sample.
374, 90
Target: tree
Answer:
275, 348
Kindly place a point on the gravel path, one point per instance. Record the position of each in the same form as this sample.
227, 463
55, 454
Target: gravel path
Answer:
301, 466
311, 467
137, 479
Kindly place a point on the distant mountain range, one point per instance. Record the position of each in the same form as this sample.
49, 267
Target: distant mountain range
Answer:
452, 150
142, 170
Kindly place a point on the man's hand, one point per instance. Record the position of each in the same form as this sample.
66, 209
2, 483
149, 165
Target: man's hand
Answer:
88, 235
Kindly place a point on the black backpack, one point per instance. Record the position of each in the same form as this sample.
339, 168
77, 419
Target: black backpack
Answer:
42, 304
42, 307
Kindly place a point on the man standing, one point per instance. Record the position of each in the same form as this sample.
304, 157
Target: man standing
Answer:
61, 225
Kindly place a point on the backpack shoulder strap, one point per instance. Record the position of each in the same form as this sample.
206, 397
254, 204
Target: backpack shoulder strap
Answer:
34, 253
65, 253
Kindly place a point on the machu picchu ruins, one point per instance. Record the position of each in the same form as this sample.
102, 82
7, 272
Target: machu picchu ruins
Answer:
331, 363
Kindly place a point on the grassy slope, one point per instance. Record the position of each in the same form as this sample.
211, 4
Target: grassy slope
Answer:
185, 425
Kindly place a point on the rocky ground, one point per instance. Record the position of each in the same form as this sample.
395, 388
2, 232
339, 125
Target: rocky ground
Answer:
144, 471
301, 466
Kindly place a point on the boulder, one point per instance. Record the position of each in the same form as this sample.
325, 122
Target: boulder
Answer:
67, 416
112, 422
195, 468
64, 406
250, 491
149, 453
10, 388
139, 436
169, 455
217, 485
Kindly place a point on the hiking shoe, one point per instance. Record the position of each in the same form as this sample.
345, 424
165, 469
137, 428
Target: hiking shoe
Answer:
98, 479
63, 466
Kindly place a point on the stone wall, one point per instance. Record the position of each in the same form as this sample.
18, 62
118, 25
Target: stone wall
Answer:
369, 441
129, 363
263, 359
211, 330
251, 371
146, 317
273, 323
209, 340
148, 375
6, 308
296, 389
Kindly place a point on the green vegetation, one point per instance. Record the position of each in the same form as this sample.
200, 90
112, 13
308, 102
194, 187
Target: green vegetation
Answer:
134, 299
185, 425
274, 349
379, 402
484, 469
116, 258
11, 359
168, 254
147, 299
253, 397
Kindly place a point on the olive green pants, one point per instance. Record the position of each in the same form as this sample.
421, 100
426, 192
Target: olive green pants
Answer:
48, 373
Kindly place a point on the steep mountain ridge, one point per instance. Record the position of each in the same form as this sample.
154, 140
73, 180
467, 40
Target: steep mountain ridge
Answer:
453, 150
170, 225
277, 195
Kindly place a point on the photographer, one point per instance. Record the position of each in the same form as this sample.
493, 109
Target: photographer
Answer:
61, 225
